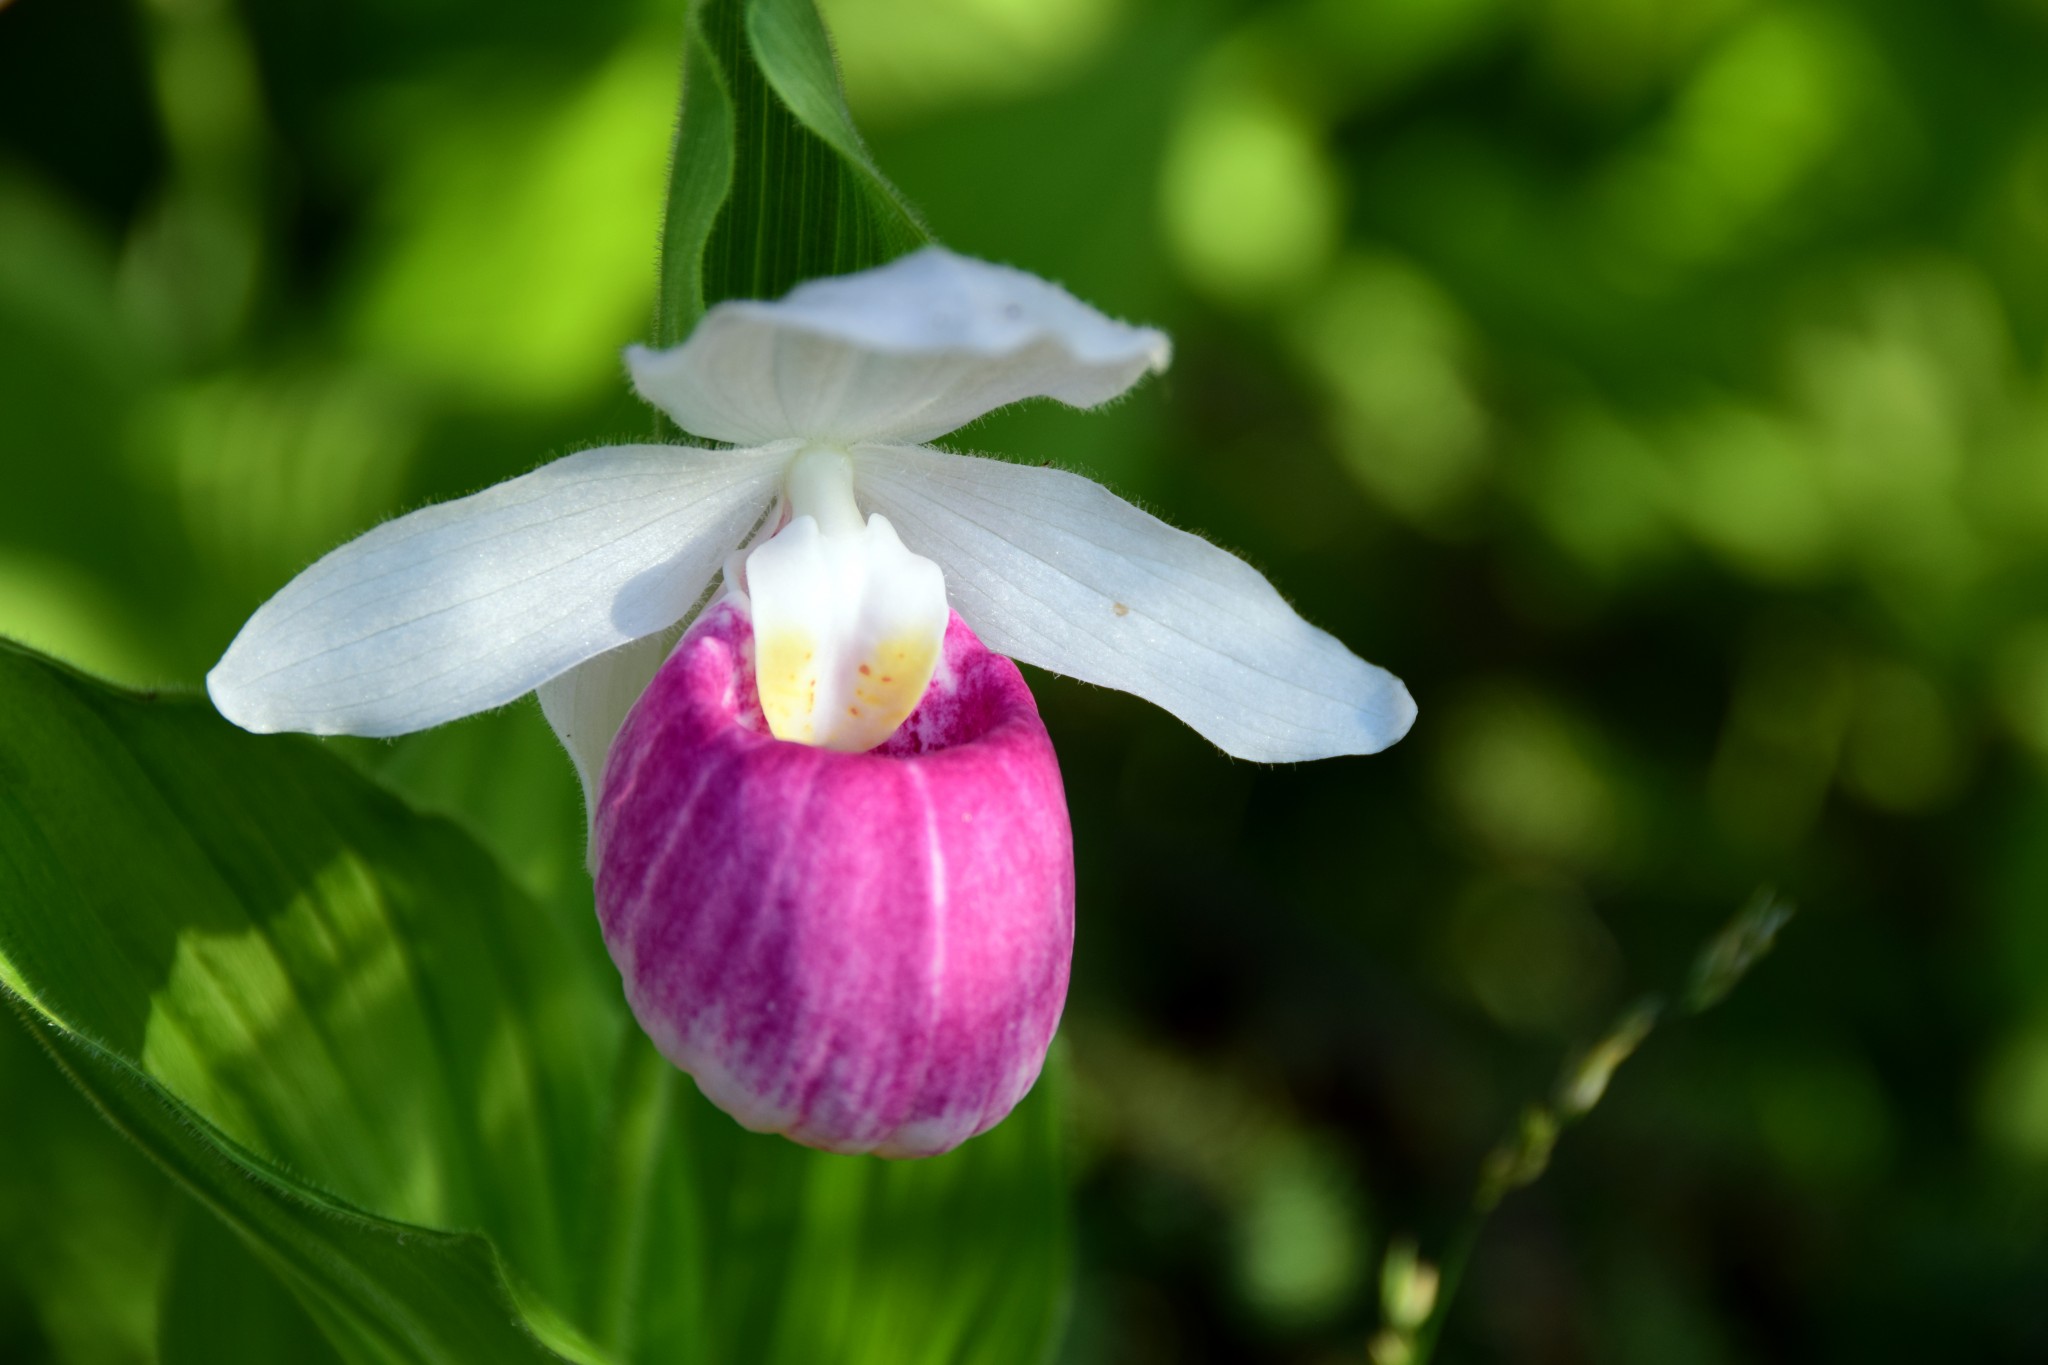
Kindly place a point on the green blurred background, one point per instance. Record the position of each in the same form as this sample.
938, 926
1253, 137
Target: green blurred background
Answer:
1657, 385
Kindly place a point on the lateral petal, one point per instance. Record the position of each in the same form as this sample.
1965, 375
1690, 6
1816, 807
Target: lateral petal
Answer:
465, 605
1055, 570
904, 352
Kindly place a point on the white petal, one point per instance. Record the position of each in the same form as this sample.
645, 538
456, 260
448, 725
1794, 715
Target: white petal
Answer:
1057, 571
905, 352
465, 605
587, 705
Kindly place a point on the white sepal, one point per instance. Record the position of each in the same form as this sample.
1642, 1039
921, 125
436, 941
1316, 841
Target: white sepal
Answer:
848, 628
904, 352
1057, 571
587, 705
465, 605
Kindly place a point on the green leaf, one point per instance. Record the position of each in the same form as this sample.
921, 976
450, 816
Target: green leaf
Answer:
305, 1002
957, 1260
383, 1292
220, 1305
414, 1094
80, 1210
770, 183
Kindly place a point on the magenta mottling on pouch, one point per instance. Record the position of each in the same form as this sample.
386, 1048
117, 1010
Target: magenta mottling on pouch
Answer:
865, 952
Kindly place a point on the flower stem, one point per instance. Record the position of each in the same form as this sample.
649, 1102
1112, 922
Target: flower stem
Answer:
1416, 1296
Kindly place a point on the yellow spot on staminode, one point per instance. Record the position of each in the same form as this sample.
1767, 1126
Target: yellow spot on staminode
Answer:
885, 699
788, 683
863, 706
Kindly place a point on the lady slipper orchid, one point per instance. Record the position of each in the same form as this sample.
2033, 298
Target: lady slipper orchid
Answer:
866, 951
830, 843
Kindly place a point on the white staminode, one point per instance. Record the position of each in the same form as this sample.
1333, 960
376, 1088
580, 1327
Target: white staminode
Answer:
847, 623
572, 579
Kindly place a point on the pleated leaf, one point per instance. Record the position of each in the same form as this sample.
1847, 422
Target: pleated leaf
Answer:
414, 1096
220, 1305
770, 183
332, 1021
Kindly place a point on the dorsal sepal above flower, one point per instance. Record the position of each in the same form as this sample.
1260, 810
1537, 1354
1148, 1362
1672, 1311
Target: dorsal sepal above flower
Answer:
906, 352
